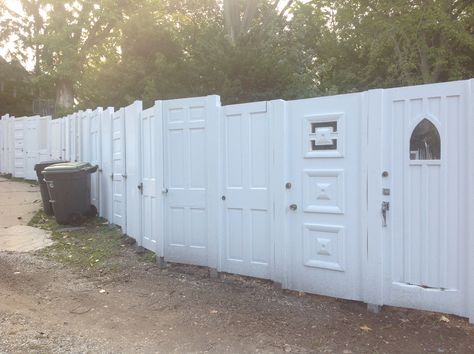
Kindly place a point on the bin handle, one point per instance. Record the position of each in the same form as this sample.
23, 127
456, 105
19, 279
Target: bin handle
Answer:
92, 169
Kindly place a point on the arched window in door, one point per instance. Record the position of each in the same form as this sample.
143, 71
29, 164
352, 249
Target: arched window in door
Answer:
425, 142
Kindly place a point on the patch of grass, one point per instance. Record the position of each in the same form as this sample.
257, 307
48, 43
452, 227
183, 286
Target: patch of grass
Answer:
95, 245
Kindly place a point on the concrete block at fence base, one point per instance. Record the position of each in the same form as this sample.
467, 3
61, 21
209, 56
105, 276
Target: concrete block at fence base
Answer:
374, 308
277, 285
140, 250
213, 273
160, 261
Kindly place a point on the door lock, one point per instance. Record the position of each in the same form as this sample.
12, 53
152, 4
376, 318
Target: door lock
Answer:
164, 190
385, 208
293, 207
140, 187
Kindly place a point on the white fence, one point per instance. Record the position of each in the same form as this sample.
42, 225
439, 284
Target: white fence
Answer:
366, 196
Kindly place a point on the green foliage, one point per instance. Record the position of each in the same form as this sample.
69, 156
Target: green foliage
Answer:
113, 52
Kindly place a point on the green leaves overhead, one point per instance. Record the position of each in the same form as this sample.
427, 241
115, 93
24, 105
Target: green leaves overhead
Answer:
115, 51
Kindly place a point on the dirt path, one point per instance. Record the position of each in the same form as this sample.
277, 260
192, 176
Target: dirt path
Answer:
91, 292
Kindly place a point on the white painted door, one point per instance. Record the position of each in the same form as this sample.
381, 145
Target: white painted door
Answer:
151, 213
118, 170
73, 137
31, 140
44, 139
247, 246
3, 144
56, 139
84, 135
95, 155
190, 129
323, 245
424, 244
19, 147
106, 190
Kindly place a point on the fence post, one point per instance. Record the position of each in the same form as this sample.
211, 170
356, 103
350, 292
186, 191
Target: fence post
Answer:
372, 270
470, 200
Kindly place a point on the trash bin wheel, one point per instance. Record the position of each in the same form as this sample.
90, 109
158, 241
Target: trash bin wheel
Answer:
92, 212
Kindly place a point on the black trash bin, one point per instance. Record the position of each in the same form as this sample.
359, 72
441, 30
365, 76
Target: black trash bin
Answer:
39, 167
69, 186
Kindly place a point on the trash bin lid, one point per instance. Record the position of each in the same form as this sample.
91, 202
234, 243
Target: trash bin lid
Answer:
67, 167
41, 165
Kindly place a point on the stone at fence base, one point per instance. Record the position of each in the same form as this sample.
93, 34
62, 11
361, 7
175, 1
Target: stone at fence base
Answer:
140, 250
213, 273
161, 263
374, 308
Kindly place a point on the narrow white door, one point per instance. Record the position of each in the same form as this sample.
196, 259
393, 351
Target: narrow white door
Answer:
94, 151
118, 170
247, 246
19, 148
190, 180
31, 146
325, 196
151, 214
424, 244
56, 141
73, 137
106, 190
44, 139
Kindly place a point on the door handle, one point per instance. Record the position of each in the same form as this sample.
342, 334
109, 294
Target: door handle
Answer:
385, 208
164, 190
293, 207
140, 187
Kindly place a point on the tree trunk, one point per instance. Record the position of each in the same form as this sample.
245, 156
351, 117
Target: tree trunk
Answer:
64, 94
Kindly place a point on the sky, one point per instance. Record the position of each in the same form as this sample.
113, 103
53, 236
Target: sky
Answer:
15, 6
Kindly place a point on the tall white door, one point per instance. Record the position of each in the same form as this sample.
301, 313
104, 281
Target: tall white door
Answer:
31, 144
95, 155
247, 246
423, 174
106, 190
44, 139
73, 137
118, 170
18, 147
56, 139
150, 187
325, 189
190, 129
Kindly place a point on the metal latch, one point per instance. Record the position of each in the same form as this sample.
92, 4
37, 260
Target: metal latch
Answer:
140, 187
385, 208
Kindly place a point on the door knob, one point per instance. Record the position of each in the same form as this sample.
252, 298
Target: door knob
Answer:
164, 190
293, 207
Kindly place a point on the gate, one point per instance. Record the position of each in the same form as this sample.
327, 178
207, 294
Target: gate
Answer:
324, 195
95, 155
247, 243
56, 139
118, 170
31, 143
106, 175
190, 137
19, 148
422, 177
150, 187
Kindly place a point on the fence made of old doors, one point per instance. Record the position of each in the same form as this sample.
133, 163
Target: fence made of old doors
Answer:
150, 187
19, 148
3, 144
247, 245
190, 131
118, 170
95, 155
73, 137
56, 139
424, 244
324, 195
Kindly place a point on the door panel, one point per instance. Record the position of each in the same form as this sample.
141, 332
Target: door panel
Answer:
118, 169
19, 148
325, 195
151, 217
247, 245
95, 154
56, 141
190, 179
423, 252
